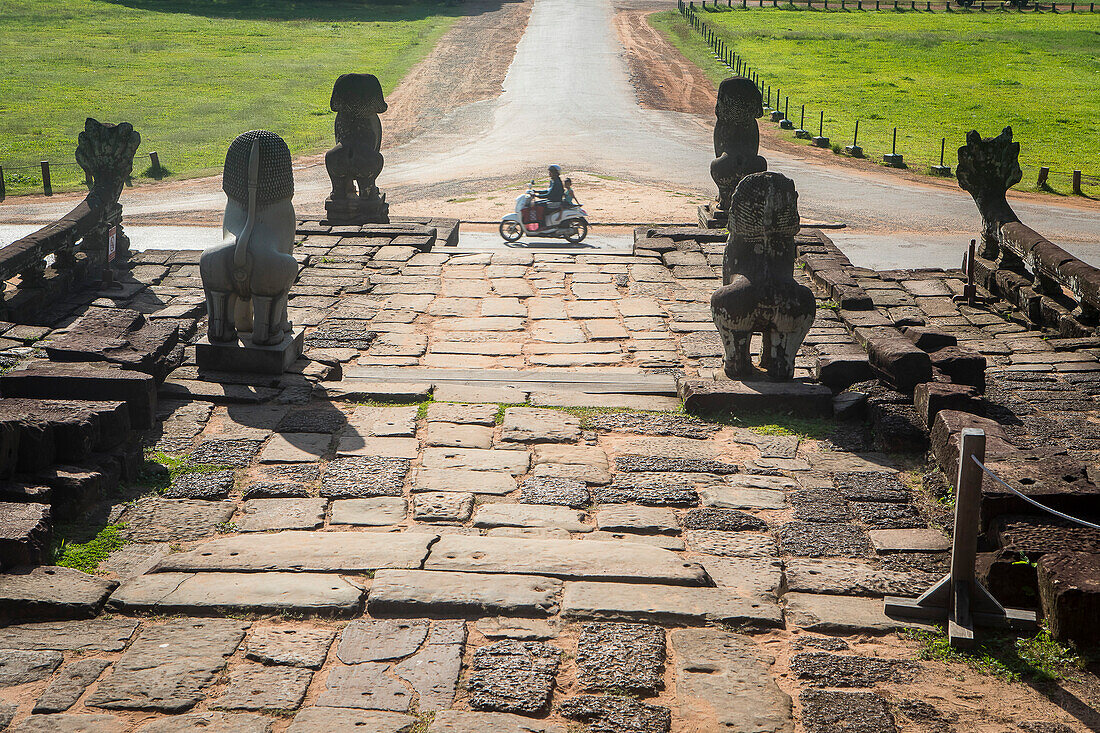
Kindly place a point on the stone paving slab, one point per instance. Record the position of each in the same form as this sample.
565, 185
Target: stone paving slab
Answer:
530, 515
92, 635
68, 724
18, 666
328, 720
258, 687
373, 640
51, 593
65, 689
496, 483
514, 462
725, 680
168, 666
211, 721
565, 559
264, 515
365, 686
586, 600
380, 511
457, 721
827, 614
285, 644
265, 592
349, 552
411, 593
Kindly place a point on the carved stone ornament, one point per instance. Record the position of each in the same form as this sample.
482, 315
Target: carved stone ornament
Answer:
987, 168
736, 137
759, 293
106, 153
247, 278
355, 162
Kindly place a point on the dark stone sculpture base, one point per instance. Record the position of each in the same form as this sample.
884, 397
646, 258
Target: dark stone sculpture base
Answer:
711, 218
894, 160
244, 356
357, 211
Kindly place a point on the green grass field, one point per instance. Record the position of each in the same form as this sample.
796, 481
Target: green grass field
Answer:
933, 75
190, 74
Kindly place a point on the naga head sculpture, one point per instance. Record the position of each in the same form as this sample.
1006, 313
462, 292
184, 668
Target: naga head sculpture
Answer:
106, 153
739, 101
987, 168
765, 206
358, 93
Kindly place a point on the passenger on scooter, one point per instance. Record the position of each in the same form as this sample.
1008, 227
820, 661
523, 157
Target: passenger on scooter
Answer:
550, 199
569, 199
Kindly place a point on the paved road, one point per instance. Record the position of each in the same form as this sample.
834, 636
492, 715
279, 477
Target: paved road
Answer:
567, 98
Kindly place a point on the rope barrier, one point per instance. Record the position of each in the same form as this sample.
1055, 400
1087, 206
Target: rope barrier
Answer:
1029, 500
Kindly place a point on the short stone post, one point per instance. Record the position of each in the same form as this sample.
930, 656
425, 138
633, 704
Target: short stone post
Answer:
3, 188
1077, 183
1044, 172
821, 141
47, 184
801, 133
785, 123
893, 159
854, 150
941, 169
777, 116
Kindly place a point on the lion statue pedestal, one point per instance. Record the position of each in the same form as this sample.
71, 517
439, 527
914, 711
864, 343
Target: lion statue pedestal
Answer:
248, 277
736, 145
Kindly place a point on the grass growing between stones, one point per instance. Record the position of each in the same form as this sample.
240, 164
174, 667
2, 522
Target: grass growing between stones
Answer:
932, 75
1037, 658
190, 75
160, 469
87, 555
773, 423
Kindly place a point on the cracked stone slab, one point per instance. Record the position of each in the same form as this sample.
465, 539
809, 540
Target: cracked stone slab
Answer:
365, 686
296, 448
513, 676
460, 721
488, 516
18, 666
262, 515
132, 560
168, 666
450, 435
380, 511
433, 672
514, 462
212, 721
748, 576
329, 720
289, 645
682, 426
845, 711
817, 539
730, 544
853, 578
617, 714
579, 463
621, 656
364, 476
537, 425
633, 518
568, 559
65, 689
461, 413
69, 724
430, 593
724, 682
99, 635
464, 481
822, 669
347, 552
374, 640
740, 497
258, 687
825, 614
560, 491
442, 506
168, 520
315, 594
675, 604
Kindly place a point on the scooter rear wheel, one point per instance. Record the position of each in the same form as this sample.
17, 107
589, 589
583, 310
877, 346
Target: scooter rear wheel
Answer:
511, 231
578, 230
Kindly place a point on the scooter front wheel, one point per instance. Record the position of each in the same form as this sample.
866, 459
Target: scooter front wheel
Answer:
511, 231
577, 230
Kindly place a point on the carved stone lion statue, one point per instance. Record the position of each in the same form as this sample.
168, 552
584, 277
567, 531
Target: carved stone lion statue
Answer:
357, 101
736, 137
248, 277
759, 292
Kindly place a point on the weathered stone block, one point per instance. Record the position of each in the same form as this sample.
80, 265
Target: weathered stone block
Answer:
929, 339
931, 397
82, 381
25, 534
899, 362
726, 396
839, 372
962, 366
1069, 586
898, 429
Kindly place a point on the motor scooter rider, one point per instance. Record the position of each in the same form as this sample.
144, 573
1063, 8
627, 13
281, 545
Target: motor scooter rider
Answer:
569, 199
550, 199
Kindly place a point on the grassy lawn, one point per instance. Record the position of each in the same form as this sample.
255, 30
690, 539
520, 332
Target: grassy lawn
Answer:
190, 74
932, 75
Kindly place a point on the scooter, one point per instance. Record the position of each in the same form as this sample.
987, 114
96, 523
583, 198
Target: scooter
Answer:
568, 222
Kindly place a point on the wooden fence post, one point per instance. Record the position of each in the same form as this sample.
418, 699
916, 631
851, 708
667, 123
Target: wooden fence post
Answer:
1044, 172
1077, 182
3, 189
47, 185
